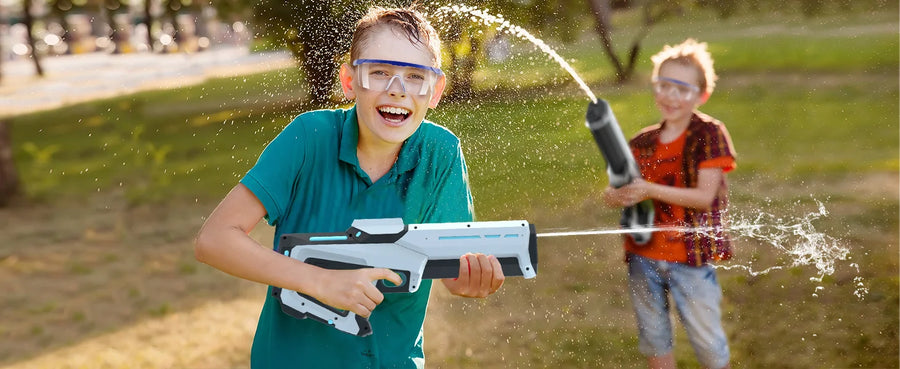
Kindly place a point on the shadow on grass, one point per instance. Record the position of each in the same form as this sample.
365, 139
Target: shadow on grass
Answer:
76, 270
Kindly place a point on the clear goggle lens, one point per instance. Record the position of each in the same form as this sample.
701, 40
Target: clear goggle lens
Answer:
675, 88
379, 75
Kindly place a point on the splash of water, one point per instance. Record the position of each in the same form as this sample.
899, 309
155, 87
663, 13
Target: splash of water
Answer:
503, 25
795, 237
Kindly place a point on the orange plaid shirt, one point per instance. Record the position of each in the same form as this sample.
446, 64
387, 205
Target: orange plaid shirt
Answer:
704, 144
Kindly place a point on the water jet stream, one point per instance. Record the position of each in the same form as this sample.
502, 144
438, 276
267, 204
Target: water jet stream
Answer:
504, 26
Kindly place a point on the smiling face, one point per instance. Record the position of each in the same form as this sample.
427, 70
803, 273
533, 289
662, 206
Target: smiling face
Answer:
676, 107
388, 117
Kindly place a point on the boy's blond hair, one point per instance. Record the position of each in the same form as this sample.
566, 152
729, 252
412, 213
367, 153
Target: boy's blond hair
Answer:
407, 21
690, 53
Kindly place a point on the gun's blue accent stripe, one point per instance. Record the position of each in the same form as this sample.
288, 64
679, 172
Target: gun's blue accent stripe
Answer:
458, 237
511, 236
492, 236
327, 238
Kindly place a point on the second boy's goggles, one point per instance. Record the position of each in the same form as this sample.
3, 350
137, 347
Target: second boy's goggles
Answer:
378, 75
674, 88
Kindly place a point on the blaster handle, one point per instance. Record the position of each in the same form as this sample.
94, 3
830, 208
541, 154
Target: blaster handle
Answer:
302, 306
620, 166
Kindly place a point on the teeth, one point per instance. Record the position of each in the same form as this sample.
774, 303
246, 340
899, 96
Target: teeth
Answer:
393, 110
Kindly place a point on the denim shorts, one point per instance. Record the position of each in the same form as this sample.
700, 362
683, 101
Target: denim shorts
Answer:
697, 297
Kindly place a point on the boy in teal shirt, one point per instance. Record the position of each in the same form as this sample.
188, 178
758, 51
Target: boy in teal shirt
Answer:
379, 159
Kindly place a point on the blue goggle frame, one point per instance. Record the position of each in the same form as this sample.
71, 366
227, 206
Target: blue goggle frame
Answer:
432, 72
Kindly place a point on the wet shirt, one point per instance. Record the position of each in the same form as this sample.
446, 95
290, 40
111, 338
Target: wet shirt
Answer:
309, 180
704, 144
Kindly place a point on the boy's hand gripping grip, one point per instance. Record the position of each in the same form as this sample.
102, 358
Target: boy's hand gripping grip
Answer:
621, 167
414, 251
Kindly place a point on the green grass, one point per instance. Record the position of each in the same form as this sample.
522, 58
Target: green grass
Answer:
812, 106
157, 144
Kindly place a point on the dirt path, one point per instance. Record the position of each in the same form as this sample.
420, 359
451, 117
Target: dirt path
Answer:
71, 79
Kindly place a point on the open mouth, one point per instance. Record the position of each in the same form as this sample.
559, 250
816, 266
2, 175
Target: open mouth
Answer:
393, 114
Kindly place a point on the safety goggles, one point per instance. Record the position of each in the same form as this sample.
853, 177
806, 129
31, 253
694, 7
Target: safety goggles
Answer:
675, 89
378, 75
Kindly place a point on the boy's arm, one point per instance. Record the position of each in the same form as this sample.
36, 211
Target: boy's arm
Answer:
700, 197
223, 243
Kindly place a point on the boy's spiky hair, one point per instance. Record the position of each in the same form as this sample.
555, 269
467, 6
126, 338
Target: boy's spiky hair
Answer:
693, 53
407, 20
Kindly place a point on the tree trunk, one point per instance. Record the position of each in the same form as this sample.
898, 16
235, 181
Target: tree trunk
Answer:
654, 12
600, 9
9, 178
463, 69
1, 64
28, 20
321, 72
148, 21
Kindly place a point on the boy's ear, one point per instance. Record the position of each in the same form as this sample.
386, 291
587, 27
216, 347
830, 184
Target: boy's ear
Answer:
703, 98
346, 76
438, 91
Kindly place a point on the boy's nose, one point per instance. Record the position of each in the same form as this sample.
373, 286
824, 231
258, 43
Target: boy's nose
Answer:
393, 91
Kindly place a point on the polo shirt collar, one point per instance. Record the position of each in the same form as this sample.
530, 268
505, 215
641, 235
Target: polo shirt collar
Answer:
350, 139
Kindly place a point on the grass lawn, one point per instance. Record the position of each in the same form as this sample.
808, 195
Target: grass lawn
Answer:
100, 270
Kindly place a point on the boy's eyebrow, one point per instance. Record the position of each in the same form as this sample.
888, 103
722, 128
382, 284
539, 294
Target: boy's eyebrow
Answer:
398, 63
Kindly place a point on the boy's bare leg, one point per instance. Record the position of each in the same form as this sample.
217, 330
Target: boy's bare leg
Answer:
666, 361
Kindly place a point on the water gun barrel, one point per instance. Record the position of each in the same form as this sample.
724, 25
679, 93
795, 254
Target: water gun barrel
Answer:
605, 128
621, 167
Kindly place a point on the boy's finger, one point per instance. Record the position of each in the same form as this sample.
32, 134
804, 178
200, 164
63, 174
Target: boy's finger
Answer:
362, 311
463, 270
487, 272
498, 279
373, 294
368, 304
475, 277
390, 275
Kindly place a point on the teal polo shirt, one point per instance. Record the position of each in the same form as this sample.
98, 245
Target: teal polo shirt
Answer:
309, 180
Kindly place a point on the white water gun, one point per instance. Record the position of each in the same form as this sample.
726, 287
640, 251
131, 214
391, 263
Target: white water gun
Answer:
414, 251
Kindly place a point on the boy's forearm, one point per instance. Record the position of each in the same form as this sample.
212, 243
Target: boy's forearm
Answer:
696, 197
234, 252
700, 197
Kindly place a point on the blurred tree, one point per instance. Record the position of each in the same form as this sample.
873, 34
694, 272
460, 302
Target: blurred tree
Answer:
653, 11
316, 32
117, 33
9, 178
28, 20
462, 42
169, 20
58, 10
148, 22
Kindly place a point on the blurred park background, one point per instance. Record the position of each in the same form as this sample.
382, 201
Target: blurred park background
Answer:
122, 123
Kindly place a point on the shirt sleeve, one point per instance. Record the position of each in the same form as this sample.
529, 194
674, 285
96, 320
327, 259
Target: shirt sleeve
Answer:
273, 176
718, 152
452, 200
